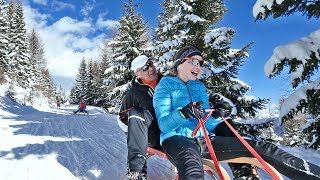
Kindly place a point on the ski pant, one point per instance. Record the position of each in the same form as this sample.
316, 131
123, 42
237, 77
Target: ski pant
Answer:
186, 153
138, 138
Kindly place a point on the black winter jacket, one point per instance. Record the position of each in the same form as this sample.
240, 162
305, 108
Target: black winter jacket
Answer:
141, 95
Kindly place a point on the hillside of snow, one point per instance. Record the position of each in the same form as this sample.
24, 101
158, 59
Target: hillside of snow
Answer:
49, 143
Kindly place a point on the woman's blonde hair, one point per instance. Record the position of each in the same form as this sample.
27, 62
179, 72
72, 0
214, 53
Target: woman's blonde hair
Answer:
173, 71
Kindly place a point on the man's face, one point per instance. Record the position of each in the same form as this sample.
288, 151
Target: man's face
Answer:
148, 72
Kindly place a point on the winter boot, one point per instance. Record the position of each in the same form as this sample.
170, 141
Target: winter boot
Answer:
143, 173
133, 175
142, 176
244, 172
137, 176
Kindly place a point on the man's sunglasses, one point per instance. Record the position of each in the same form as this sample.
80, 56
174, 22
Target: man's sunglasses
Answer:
194, 61
146, 66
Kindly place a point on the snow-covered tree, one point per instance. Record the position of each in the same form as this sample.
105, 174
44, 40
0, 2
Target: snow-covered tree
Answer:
129, 42
47, 84
80, 88
278, 8
73, 99
19, 56
4, 39
192, 22
166, 41
314, 138
37, 59
302, 57
91, 79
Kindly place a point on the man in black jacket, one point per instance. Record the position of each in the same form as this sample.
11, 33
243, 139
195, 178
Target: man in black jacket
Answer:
137, 113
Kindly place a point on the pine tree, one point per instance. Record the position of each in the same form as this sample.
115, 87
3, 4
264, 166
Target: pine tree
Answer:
302, 67
308, 8
166, 41
192, 23
47, 84
90, 95
4, 39
101, 87
104, 67
37, 60
19, 64
129, 43
73, 99
80, 86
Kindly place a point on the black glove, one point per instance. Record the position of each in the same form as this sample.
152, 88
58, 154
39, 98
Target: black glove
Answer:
193, 110
222, 109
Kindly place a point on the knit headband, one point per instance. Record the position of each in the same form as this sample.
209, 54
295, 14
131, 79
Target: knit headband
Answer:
185, 52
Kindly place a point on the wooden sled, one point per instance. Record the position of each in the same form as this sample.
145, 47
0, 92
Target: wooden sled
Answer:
208, 165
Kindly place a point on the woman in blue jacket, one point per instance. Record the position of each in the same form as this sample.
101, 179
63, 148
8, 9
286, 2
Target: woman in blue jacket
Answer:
177, 119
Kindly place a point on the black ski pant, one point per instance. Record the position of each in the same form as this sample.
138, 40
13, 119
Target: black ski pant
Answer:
186, 153
137, 138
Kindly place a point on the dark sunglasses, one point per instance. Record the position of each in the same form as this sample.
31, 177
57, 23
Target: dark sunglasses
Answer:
146, 66
194, 61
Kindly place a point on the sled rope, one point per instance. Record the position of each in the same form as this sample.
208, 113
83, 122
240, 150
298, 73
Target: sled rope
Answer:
208, 142
253, 152
211, 150
247, 145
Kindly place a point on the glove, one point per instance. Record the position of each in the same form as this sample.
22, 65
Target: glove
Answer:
192, 110
223, 109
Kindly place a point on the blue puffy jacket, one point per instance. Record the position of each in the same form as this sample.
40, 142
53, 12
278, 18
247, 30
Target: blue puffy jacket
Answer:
171, 95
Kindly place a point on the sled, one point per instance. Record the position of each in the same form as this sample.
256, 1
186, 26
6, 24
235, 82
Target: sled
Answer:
209, 167
81, 113
212, 166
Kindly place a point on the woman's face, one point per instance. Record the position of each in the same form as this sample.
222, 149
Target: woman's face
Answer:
190, 68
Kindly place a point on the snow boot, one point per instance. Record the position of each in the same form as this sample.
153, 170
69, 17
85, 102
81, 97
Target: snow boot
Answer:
133, 175
244, 172
137, 176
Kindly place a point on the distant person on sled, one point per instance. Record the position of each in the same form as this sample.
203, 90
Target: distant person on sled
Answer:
177, 118
137, 113
82, 107
58, 101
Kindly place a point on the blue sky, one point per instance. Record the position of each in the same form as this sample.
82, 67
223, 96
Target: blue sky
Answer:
78, 27
267, 35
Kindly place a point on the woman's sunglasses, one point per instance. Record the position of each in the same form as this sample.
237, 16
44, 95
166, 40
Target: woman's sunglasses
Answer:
194, 61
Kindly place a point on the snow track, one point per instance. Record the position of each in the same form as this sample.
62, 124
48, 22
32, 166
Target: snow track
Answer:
82, 144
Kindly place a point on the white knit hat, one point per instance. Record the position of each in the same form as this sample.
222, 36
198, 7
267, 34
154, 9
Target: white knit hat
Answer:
139, 62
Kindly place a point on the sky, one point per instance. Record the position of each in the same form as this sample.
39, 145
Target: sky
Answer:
43, 142
72, 30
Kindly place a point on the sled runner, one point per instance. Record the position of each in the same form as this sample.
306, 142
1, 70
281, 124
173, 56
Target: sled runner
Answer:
81, 113
209, 167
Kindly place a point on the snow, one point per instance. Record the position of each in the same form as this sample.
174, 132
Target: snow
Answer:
194, 18
219, 35
49, 143
300, 50
258, 7
300, 94
34, 167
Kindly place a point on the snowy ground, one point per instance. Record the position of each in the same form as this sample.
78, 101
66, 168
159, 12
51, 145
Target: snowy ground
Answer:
55, 144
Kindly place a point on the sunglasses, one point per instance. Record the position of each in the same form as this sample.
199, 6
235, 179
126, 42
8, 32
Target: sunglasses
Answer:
146, 66
194, 61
